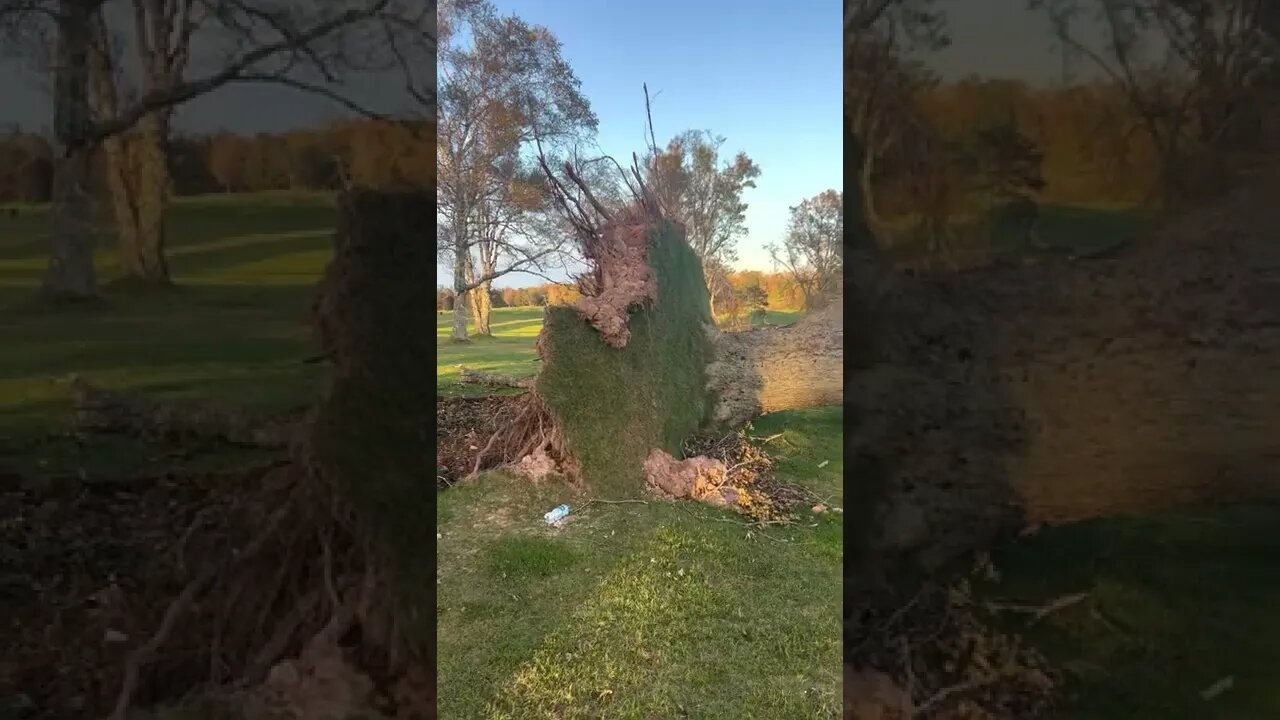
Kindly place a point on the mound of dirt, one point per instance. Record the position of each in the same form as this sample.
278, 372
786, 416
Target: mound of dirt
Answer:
1074, 389
1054, 392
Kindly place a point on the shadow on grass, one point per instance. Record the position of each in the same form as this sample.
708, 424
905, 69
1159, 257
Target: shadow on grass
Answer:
1177, 603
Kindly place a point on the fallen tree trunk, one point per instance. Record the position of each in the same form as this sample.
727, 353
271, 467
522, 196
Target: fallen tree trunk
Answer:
778, 368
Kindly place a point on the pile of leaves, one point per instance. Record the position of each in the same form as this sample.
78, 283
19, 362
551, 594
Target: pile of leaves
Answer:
941, 649
761, 496
464, 425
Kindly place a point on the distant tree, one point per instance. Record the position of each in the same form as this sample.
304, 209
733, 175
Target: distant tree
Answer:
883, 86
313, 163
26, 168
704, 195
227, 161
716, 274
812, 251
1187, 68
755, 298
189, 167
561, 294
444, 298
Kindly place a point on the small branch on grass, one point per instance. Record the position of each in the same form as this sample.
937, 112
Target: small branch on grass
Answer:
1039, 612
775, 436
593, 501
479, 377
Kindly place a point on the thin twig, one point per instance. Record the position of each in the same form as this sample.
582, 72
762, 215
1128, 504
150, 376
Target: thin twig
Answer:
1039, 612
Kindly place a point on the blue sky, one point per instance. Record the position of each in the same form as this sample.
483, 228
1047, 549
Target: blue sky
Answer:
765, 75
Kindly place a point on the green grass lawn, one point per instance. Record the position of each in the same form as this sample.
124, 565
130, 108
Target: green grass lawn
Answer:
634, 610
235, 331
508, 351
643, 610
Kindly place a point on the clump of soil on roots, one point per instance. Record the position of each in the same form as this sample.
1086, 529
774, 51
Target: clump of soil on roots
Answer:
734, 472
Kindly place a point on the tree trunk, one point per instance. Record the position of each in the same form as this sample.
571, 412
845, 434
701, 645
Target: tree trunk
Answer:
142, 255
482, 307
779, 368
137, 176
461, 258
870, 216
70, 274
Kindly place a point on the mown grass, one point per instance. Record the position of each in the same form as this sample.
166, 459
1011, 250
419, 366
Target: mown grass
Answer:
642, 610
509, 350
235, 331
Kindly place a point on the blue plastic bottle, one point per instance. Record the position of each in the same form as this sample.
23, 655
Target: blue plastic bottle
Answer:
556, 514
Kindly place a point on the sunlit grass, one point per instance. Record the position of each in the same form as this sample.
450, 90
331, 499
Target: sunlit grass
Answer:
639, 611
234, 332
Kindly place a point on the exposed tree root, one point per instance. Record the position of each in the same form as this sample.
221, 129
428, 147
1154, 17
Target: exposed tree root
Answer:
307, 584
933, 656
529, 443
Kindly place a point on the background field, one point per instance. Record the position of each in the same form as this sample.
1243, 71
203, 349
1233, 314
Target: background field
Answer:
235, 331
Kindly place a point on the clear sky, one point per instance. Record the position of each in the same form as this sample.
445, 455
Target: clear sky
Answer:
765, 75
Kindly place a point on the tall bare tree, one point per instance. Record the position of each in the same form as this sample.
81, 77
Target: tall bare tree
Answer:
504, 85
883, 85
1186, 67
307, 47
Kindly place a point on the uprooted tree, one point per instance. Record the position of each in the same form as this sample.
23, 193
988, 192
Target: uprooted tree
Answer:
637, 366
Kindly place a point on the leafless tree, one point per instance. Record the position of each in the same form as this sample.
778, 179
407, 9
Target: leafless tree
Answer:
704, 195
1186, 67
310, 47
